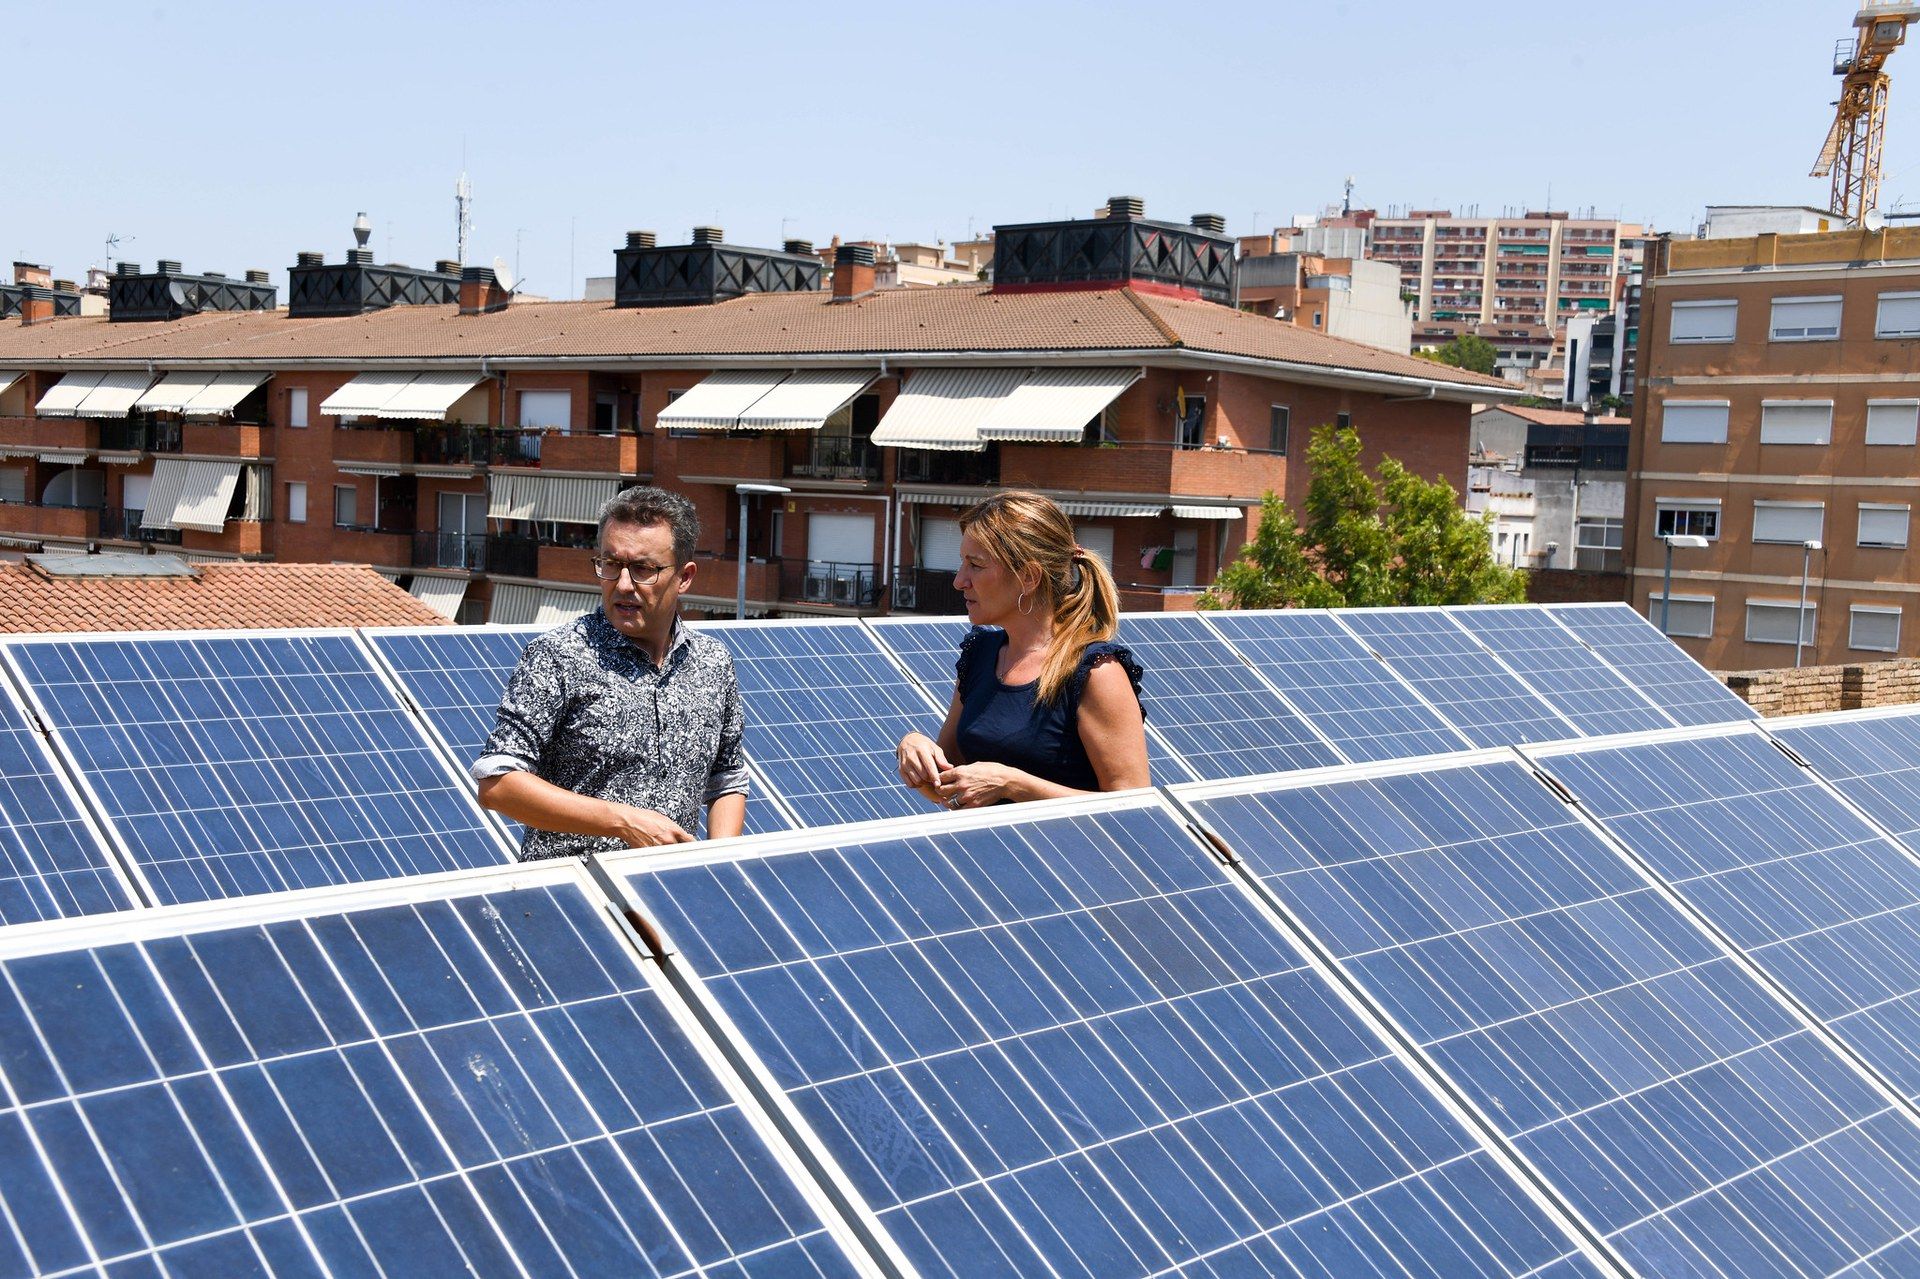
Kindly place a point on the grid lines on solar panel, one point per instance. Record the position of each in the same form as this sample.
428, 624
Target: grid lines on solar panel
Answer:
1819, 900
231, 765
1343, 690
481, 1084
1217, 714
1567, 674
1071, 1046
1696, 1121
1874, 761
1457, 677
1653, 663
825, 710
52, 864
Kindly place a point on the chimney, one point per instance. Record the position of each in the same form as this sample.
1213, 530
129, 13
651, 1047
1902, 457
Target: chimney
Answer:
1126, 206
852, 272
804, 248
310, 259
480, 291
29, 273
708, 235
642, 239
258, 277
1210, 222
36, 304
64, 286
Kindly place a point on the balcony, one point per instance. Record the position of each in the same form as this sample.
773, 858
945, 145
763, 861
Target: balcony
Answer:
393, 448
838, 457
359, 544
223, 439
122, 524
614, 454
1143, 468
719, 575
727, 458
243, 537
450, 550
46, 433
512, 555
41, 520
926, 590
440, 445
855, 586
935, 466
141, 435
565, 563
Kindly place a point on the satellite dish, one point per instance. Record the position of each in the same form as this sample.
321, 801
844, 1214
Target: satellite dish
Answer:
503, 274
1873, 219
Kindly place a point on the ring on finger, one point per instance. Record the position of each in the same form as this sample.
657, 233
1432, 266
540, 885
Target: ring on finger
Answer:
955, 802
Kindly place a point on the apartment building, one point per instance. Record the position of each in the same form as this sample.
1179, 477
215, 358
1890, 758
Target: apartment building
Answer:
1556, 484
1350, 298
1776, 419
412, 420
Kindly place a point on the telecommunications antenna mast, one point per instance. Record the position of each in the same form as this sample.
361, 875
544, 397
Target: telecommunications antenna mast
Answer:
463, 213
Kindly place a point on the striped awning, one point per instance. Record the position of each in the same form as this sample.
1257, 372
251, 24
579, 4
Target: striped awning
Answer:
1055, 405
563, 499
1207, 512
511, 497
428, 396
806, 400
385, 470
1112, 510
63, 398
441, 594
558, 607
365, 395
943, 408
514, 605
717, 402
8, 379
207, 496
62, 457
172, 393
223, 393
113, 395
163, 493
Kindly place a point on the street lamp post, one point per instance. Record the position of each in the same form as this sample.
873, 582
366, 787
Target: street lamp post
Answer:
1807, 548
1685, 541
740, 582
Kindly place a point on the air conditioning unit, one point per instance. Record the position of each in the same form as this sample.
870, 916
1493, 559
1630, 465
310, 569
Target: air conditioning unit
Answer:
846, 590
905, 594
815, 587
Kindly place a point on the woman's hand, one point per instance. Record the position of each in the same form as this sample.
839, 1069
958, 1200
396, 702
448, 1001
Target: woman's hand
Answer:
921, 762
978, 785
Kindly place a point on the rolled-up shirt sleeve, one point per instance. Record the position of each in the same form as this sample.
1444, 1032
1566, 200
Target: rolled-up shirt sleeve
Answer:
530, 710
729, 773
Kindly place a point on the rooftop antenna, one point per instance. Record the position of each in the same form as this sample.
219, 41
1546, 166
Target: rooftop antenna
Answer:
114, 242
517, 233
1346, 203
463, 215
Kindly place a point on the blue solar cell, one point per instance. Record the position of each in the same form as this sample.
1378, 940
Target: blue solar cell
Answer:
230, 765
1873, 760
52, 863
482, 1082
1625, 1053
1562, 669
1653, 663
1820, 901
1355, 701
1217, 714
1068, 1045
826, 708
1457, 677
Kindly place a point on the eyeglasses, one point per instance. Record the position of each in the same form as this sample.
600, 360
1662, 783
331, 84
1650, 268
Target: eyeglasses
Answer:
608, 569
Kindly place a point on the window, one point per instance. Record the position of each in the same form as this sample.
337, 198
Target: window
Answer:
1883, 524
1097, 432
1687, 615
1316, 319
1189, 431
346, 506
1898, 316
13, 483
1892, 421
680, 432
1772, 622
1686, 519
1703, 321
296, 502
1796, 421
1599, 534
604, 409
550, 410
1279, 421
1788, 522
1805, 319
297, 406
1693, 422
1873, 627
1343, 420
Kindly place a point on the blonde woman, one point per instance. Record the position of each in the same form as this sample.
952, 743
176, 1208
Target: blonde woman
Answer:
1048, 704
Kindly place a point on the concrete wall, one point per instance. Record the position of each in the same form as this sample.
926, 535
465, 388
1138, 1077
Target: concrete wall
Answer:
1828, 688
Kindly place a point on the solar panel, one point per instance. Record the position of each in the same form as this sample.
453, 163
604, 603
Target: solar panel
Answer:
1559, 666
1702, 1126
1653, 663
1821, 902
1872, 757
455, 675
468, 1078
1344, 691
826, 708
1469, 686
229, 764
1218, 715
53, 864
1067, 1044
929, 647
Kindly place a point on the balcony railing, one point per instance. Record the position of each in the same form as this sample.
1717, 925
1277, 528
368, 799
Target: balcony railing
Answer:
838, 457
926, 590
512, 555
936, 466
123, 524
475, 446
451, 550
145, 435
828, 582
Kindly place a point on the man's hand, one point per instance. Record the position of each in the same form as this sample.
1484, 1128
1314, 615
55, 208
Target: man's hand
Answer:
644, 828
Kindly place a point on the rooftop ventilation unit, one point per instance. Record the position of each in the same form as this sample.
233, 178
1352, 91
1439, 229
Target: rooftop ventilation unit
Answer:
707, 270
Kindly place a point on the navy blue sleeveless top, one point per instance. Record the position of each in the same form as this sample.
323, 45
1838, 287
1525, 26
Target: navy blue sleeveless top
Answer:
1001, 724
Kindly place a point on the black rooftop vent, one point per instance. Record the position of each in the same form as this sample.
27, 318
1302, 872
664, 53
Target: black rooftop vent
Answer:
1126, 206
854, 254
309, 259
170, 293
708, 270
1116, 251
126, 268
447, 266
1210, 222
797, 246
258, 277
360, 257
359, 285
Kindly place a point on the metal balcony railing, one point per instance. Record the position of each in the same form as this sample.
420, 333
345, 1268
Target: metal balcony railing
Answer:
145, 435
123, 524
937, 466
450, 550
512, 555
830, 582
926, 590
838, 457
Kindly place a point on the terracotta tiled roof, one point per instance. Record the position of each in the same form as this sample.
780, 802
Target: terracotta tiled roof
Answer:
223, 596
893, 322
1559, 417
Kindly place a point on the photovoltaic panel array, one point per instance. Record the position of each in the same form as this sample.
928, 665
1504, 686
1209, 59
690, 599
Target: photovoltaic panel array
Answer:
826, 709
1562, 669
1653, 663
1071, 1046
237, 764
1344, 691
1874, 760
1820, 901
52, 863
1683, 1109
481, 1082
1457, 677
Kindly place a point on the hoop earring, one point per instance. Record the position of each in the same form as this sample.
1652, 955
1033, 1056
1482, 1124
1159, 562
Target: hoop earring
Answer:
1026, 609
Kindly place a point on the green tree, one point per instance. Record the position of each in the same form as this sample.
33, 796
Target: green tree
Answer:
1368, 541
1474, 354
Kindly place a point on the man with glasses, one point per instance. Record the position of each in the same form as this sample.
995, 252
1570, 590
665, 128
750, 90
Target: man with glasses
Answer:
618, 726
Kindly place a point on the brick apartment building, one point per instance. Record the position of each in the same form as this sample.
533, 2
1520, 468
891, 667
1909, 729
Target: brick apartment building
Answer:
1779, 391
416, 421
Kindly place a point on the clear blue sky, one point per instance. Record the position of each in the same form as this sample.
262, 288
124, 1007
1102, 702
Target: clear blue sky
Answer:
232, 135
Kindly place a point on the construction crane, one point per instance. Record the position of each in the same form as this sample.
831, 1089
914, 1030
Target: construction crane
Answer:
1852, 151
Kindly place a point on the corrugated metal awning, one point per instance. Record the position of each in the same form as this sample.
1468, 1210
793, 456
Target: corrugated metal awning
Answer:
163, 493
1112, 510
441, 594
511, 497
385, 470
115, 395
8, 379
365, 395
63, 397
572, 499
718, 400
909, 497
208, 495
428, 396
807, 399
1055, 405
558, 607
223, 393
62, 457
943, 408
1207, 512
514, 605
